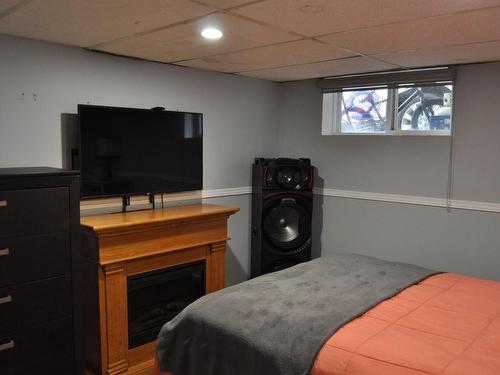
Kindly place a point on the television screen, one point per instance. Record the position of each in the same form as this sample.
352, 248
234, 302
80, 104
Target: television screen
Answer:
127, 151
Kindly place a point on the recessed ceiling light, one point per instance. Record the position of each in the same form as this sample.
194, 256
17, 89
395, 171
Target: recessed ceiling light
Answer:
211, 33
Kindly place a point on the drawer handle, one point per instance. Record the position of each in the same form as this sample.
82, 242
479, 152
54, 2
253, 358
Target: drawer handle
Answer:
7, 345
6, 299
3, 204
4, 252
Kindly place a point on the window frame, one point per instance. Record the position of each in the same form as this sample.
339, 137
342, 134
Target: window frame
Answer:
333, 89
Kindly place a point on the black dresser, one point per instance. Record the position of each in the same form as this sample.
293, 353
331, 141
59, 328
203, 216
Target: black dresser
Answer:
39, 272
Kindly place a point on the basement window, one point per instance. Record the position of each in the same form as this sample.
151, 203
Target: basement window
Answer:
394, 103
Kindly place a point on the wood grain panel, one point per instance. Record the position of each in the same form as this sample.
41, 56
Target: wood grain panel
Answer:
103, 318
141, 354
116, 317
105, 225
144, 368
161, 239
139, 242
216, 267
162, 261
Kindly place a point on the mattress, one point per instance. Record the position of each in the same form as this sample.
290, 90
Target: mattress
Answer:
276, 324
447, 324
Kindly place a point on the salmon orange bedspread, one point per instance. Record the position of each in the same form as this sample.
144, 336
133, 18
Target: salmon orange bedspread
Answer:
447, 324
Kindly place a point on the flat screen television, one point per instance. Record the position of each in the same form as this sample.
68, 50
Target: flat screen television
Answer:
129, 151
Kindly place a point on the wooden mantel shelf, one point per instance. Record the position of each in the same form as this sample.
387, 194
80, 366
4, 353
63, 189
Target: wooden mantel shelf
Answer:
117, 246
159, 231
118, 222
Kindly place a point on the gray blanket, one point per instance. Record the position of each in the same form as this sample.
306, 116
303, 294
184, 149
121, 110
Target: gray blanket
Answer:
277, 323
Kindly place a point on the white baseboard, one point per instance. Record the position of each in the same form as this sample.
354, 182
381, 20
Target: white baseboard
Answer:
115, 203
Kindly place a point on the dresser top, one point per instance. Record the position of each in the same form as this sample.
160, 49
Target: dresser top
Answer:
35, 171
102, 223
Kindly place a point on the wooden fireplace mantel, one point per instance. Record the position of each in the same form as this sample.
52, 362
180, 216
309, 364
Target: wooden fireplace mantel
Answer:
116, 246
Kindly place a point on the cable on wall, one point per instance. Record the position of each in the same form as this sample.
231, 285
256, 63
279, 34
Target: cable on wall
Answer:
451, 159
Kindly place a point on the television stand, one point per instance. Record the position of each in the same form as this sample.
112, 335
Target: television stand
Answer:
125, 203
151, 197
117, 248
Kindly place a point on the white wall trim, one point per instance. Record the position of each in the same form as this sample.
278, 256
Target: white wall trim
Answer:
382, 197
475, 205
111, 203
215, 193
409, 199
202, 194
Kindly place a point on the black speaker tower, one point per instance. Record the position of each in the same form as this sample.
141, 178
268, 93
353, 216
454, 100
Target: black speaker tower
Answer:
282, 202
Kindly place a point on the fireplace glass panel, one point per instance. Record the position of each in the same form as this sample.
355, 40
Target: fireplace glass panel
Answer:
156, 297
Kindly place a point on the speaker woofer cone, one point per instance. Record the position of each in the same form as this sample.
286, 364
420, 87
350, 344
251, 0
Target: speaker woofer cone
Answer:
282, 224
286, 224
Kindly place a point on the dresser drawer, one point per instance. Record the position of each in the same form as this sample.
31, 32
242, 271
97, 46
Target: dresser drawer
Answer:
32, 258
34, 211
28, 304
47, 349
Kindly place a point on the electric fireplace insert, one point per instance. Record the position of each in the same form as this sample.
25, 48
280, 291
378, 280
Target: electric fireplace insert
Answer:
156, 297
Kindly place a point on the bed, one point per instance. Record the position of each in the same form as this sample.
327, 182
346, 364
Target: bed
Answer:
340, 315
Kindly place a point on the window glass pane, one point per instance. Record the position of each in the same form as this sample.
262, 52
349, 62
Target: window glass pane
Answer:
424, 108
364, 111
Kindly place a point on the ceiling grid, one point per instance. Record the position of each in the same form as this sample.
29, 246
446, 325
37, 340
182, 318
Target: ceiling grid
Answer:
279, 40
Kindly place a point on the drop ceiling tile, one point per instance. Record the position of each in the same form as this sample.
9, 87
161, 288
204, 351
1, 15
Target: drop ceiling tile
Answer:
291, 53
322, 69
318, 17
225, 4
184, 41
469, 53
86, 23
7, 4
425, 33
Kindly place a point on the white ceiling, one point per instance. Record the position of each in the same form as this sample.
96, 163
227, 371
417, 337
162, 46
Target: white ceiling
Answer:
279, 40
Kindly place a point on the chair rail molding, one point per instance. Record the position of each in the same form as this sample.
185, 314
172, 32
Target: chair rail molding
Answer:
115, 203
410, 199
87, 206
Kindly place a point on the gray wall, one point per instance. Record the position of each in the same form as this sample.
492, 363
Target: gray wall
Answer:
240, 114
240, 117
477, 141
460, 241
384, 164
244, 117
456, 240
238, 249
